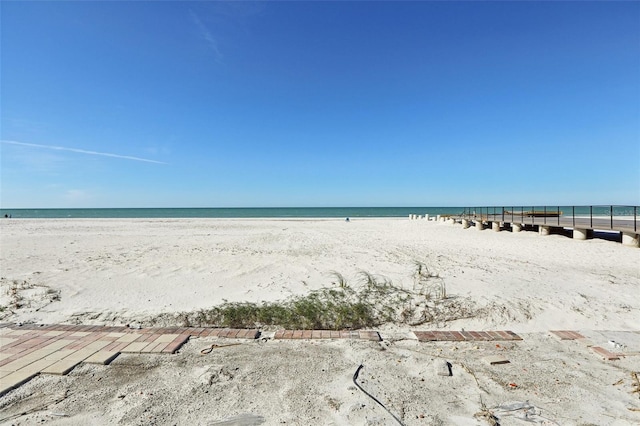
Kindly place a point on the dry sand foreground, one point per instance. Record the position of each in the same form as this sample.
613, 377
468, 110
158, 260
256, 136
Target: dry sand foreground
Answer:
129, 271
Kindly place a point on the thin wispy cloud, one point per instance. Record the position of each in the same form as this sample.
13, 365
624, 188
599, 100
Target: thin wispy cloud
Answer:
204, 32
82, 151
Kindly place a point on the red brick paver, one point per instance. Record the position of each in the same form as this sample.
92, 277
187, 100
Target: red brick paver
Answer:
609, 356
327, 334
567, 334
174, 345
461, 336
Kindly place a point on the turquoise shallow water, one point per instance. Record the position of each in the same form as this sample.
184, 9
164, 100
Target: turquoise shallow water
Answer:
290, 212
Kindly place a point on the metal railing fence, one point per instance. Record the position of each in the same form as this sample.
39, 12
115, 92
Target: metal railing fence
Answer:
611, 217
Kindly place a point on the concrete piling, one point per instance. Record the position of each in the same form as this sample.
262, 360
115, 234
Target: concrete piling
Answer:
630, 239
579, 234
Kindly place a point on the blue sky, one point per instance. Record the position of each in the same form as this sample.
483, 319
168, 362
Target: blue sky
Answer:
214, 104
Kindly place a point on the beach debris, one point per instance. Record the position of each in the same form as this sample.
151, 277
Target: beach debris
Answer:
485, 414
522, 410
496, 360
334, 403
355, 382
213, 346
442, 368
635, 383
241, 420
616, 345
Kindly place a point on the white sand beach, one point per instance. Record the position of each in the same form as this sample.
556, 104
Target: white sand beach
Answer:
130, 271
116, 271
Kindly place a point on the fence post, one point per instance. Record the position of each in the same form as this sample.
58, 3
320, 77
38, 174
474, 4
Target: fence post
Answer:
611, 217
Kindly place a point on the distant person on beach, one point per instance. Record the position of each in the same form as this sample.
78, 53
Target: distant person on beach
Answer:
346, 220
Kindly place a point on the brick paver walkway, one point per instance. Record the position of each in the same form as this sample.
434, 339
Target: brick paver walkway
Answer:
29, 350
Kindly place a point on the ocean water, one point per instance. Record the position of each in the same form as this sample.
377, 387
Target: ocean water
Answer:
307, 212
286, 212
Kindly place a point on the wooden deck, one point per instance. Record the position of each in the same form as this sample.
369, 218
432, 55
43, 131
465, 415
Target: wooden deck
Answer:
595, 223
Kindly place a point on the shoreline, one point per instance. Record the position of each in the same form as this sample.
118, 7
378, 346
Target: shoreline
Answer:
195, 219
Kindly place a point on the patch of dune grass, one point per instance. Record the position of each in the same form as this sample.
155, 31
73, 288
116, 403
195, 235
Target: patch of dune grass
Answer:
371, 301
327, 308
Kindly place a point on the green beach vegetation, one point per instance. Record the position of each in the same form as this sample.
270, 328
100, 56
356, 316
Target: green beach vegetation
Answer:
370, 301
